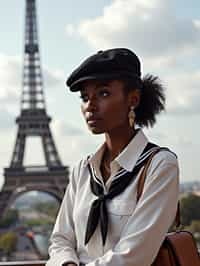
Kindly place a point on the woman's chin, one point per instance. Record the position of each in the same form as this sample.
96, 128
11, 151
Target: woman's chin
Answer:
96, 130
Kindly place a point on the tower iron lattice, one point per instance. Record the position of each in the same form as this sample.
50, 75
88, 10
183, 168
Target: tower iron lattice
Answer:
33, 121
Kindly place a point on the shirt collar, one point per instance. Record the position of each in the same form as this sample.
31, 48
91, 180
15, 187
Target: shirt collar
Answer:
129, 155
95, 159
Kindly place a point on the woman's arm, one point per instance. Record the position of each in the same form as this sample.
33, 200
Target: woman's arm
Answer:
154, 213
63, 241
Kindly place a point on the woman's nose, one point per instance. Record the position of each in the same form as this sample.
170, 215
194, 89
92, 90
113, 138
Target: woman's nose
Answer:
91, 105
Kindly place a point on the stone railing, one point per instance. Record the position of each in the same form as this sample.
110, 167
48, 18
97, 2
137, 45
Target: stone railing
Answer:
24, 263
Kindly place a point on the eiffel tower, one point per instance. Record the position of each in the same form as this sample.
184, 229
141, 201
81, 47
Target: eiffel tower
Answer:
33, 121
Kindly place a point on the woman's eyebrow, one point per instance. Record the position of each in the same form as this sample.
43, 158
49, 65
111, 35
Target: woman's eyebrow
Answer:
103, 83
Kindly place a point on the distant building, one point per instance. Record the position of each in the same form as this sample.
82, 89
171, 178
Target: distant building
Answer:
190, 187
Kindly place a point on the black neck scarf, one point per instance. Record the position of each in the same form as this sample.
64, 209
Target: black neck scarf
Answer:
98, 212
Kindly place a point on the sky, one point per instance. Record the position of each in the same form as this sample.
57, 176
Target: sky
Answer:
165, 34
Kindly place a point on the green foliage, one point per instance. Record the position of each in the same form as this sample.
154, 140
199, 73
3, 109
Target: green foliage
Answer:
9, 218
8, 242
38, 222
190, 209
194, 227
49, 208
190, 214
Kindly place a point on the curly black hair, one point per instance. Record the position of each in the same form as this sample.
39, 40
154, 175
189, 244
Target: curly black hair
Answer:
152, 100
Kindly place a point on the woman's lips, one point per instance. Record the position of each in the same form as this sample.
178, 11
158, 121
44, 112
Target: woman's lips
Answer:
93, 120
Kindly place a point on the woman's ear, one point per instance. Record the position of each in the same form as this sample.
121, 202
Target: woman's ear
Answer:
134, 98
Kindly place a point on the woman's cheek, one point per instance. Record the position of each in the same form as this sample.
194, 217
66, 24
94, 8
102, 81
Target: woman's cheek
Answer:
82, 109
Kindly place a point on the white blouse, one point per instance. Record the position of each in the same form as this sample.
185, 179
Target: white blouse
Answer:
135, 231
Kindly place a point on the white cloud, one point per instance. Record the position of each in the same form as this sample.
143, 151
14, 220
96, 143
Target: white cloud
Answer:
53, 78
6, 119
66, 128
151, 28
184, 93
11, 78
197, 23
73, 142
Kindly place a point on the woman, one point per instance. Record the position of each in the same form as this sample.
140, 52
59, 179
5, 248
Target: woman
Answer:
99, 222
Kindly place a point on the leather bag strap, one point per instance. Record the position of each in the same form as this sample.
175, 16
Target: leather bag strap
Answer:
140, 187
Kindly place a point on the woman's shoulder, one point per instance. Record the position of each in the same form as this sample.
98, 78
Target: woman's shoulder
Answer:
165, 160
163, 167
165, 155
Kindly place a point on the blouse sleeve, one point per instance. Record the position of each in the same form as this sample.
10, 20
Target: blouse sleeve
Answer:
62, 247
146, 228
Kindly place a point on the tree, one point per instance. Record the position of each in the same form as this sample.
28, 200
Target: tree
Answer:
190, 207
9, 218
8, 242
195, 227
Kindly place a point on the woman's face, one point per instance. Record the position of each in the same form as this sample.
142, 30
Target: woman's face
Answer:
105, 105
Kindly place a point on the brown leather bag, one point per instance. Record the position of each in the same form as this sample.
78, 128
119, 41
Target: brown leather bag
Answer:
179, 247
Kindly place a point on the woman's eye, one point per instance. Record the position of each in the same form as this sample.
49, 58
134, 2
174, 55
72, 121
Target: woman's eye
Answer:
104, 93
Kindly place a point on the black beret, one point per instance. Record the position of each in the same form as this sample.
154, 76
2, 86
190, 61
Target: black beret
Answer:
109, 64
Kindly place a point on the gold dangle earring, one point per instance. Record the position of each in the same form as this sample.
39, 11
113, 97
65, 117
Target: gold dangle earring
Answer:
131, 116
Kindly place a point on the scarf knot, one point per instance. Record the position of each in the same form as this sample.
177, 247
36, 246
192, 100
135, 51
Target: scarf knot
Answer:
102, 197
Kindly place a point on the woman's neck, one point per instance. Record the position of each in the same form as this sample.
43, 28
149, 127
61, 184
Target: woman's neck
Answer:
116, 142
